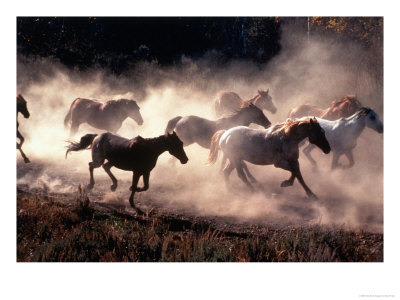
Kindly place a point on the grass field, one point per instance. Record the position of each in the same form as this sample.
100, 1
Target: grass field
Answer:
49, 230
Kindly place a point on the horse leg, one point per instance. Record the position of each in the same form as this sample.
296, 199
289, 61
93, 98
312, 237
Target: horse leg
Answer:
239, 170
135, 180
227, 171
288, 182
223, 163
284, 164
307, 151
349, 155
19, 147
146, 177
107, 166
97, 161
335, 160
295, 169
249, 175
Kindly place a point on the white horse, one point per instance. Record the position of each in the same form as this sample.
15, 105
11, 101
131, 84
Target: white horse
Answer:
342, 134
277, 145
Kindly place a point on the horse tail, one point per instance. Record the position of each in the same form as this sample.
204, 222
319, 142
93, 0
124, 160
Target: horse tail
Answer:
84, 143
68, 116
218, 107
171, 124
214, 147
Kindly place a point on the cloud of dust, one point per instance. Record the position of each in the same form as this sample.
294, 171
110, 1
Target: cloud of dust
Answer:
317, 72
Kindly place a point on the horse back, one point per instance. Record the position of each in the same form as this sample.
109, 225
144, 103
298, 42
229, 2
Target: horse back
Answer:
228, 102
343, 108
305, 110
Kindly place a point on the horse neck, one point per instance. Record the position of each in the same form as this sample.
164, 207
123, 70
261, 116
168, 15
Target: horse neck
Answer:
354, 124
236, 119
300, 133
252, 100
158, 145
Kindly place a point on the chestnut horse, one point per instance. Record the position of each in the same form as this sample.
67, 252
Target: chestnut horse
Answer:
107, 116
340, 108
277, 145
23, 109
228, 102
138, 155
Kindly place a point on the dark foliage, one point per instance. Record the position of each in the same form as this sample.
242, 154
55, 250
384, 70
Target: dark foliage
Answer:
117, 43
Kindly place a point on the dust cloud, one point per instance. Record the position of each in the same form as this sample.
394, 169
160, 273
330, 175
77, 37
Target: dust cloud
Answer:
316, 71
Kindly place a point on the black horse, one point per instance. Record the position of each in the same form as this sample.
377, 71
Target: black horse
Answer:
23, 109
138, 155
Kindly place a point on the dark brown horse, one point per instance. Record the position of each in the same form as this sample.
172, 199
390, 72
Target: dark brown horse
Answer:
228, 102
23, 109
138, 155
340, 108
278, 145
107, 116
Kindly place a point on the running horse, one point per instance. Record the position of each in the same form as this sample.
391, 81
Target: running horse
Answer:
138, 155
342, 134
278, 145
228, 102
340, 108
108, 116
194, 129
23, 109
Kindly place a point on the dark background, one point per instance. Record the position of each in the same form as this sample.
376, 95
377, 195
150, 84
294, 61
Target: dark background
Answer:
116, 43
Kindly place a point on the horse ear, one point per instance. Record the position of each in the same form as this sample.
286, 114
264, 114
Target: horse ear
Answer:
174, 133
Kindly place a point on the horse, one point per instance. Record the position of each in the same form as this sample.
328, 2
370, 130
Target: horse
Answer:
23, 109
343, 107
277, 145
227, 102
342, 134
138, 155
107, 116
193, 129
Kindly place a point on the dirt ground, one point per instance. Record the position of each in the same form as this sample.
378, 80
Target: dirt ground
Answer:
196, 193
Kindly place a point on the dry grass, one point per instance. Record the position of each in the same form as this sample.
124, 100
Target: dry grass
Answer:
48, 230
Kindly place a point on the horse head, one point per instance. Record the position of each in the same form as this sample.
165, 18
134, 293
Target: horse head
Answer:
317, 136
22, 106
264, 101
371, 119
133, 110
253, 114
175, 147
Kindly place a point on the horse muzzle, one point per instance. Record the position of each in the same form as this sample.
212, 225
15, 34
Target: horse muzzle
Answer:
184, 161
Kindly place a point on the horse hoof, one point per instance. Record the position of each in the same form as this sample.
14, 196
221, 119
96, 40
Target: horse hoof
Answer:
286, 183
27, 161
89, 186
312, 196
139, 211
113, 188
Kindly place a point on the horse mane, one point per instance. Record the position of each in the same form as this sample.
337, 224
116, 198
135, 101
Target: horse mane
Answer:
147, 141
350, 97
363, 111
289, 126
